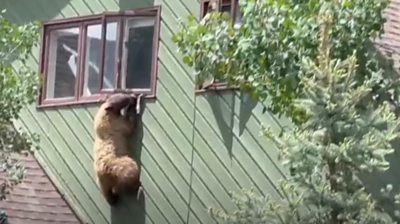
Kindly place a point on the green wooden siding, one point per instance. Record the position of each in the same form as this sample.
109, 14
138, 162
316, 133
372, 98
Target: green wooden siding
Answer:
195, 147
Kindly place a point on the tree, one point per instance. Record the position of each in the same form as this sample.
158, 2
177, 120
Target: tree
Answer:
337, 97
18, 83
344, 135
263, 56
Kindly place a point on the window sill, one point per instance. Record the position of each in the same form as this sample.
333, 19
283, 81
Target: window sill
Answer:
57, 103
216, 87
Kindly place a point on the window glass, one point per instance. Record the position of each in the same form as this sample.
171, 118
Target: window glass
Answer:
226, 8
92, 59
110, 55
85, 57
137, 53
206, 7
238, 15
62, 63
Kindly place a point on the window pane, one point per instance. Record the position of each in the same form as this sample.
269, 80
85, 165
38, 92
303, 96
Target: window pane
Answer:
92, 59
208, 6
138, 52
238, 15
110, 55
226, 8
62, 63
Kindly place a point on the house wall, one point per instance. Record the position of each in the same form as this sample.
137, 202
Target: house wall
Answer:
194, 149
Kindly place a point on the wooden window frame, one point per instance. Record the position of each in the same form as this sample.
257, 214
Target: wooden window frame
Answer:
203, 11
232, 3
82, 22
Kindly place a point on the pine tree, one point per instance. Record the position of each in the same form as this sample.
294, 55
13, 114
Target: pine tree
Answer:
345, 134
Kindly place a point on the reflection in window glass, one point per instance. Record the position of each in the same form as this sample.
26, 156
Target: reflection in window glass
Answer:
110, 55
226, 8
62, 63
138, 51
92, 59
238, 15
207, 7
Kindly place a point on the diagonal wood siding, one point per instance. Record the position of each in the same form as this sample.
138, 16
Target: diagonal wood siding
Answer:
195, 148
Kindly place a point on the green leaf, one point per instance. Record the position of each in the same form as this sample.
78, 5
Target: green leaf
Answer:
188, 60
18, 83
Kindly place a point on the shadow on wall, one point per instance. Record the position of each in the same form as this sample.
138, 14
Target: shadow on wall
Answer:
24, 11
246, 108
129, 4
131, 210
223, 110
223, 107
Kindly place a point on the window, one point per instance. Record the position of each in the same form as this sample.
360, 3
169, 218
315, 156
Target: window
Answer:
83, 58
229, 6
232, 8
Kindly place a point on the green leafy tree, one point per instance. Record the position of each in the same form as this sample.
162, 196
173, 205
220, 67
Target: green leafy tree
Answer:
18, 83
312, 60
345, 135
263, 56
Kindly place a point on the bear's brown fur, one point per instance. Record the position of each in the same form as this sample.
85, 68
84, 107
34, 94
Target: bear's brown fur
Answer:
116, 171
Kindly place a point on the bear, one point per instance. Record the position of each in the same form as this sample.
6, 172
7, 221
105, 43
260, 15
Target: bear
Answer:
114, 125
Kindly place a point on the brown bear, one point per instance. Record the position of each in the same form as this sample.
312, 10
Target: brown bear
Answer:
114, 124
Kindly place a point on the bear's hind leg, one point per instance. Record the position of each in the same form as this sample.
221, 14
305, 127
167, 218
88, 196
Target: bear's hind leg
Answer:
106, 185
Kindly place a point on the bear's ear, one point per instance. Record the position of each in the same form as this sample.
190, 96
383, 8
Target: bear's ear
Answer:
108, 108
111, 109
